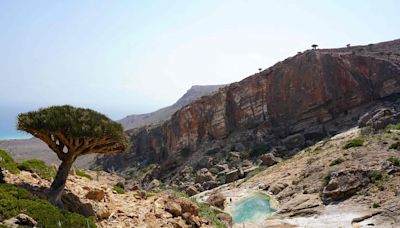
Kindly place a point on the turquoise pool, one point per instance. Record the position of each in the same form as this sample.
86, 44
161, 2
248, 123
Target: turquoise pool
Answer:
252, 209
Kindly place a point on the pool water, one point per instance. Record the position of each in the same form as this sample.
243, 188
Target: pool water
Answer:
252, 209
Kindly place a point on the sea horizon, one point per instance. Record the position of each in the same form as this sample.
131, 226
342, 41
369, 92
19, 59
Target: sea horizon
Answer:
13, 136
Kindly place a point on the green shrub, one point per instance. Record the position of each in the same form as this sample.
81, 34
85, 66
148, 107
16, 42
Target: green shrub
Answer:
209, 213
376, 205
82, 173
14, 200
395, 146
259, 149
353, 143
393, 127
327, 178
375, 175
394, 160
118, 189
336, 161
7, 162
38, 167
185, 152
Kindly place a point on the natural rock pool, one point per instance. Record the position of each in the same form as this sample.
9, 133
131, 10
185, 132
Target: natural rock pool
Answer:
253, 209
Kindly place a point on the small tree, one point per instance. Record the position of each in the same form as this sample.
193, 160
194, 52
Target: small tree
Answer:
71, 132
259, 69
348, 45
314, 46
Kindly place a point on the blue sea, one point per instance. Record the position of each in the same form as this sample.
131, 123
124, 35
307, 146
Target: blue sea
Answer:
8, 123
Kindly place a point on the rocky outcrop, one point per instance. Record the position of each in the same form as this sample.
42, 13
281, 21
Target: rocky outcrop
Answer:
21, 220
288, 106
343, 184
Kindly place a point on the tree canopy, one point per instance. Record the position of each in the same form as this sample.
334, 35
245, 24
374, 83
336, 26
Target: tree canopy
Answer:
71, 132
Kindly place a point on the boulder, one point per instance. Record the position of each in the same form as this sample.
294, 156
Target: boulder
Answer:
173, 207
73, 203
343, 184
269, 159
191, 191
234, 157
294, 141
205, 162
222, 167
232, 176
103, 213
204, 175
246, 163
210, 185
1, 175
304, 203
19, 220
277, 188
378, 119
153, 184
95, 194
226, 219
217, 200
188, 206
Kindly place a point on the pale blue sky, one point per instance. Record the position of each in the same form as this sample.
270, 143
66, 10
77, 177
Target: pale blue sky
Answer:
125, 57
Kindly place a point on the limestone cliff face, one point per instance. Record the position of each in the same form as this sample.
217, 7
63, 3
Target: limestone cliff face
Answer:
302, 96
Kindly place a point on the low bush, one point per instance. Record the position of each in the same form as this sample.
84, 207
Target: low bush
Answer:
210, 213
336, 161
354, 143
39, 167
82, 173
394, 160
118, 189
14, 200
7, 162
259, 149
395, 146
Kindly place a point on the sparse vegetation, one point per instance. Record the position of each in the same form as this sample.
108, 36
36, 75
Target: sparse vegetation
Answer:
354, 143
82, 173
185, 152
327, 178
118, 189
39, 167
376, 205
395, 146
259, 149
336, 161
394, 160
7, 162
14, 200
209, 213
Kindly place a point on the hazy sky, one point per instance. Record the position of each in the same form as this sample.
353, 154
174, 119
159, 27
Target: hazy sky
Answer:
125, 57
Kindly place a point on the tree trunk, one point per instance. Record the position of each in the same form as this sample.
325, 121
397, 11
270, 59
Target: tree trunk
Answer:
57, 187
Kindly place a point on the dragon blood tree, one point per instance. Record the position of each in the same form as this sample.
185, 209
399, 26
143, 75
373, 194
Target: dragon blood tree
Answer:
71, 132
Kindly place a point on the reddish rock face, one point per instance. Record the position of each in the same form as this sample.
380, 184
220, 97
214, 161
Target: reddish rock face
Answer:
306, 92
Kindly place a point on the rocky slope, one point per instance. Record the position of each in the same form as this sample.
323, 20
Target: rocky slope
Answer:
334, 183
159, 116
282, 109
98, 198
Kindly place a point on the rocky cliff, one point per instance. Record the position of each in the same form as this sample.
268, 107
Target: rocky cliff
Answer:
159, 116
285, 107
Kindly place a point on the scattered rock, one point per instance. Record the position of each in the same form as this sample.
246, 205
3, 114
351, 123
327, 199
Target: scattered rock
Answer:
95, 194
234, 157
74, 204
1, 175
205, 162
174, 208
188, 206
204, 175
19, 220
269, 159
294, 141
210, 185
277, 188
191, 191
217, 200
343, 184
226, 219
232, 176
103, 213
379, 118
222, 167
153, 184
